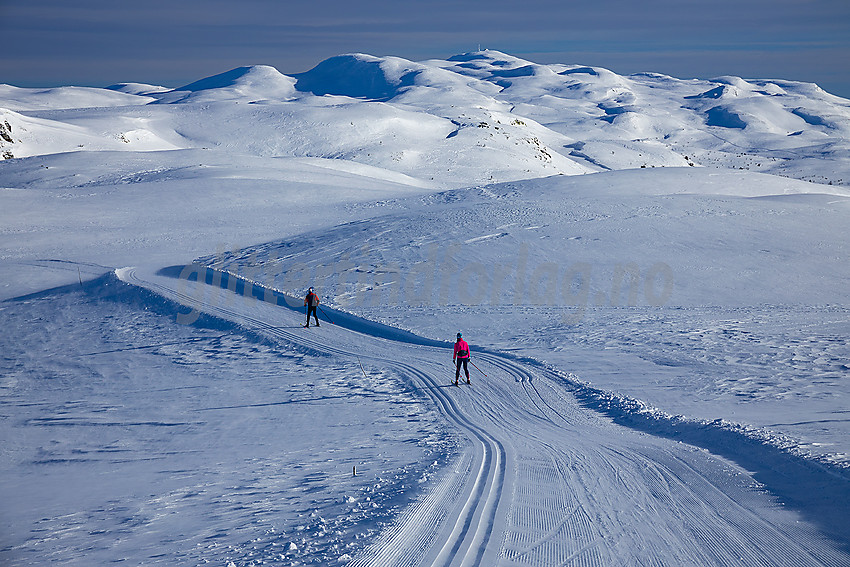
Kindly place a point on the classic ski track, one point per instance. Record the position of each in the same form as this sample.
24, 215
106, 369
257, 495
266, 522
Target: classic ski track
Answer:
478, 513
548, 548
561, 510
473, 523
759, 548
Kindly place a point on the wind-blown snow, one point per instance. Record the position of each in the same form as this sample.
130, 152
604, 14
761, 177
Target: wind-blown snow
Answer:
652, 272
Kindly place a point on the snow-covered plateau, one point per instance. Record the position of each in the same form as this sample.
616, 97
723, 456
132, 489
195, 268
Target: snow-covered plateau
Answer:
652, 274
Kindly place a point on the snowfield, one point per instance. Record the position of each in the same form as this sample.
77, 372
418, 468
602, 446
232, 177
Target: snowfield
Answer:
652, 273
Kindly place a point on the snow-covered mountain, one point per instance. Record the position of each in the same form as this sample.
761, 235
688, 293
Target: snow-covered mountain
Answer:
479, 117
652, 273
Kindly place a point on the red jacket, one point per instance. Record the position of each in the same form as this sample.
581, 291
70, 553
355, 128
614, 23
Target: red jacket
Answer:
461, 349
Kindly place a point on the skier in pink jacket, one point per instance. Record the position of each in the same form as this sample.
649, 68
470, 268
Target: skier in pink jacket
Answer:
461, 357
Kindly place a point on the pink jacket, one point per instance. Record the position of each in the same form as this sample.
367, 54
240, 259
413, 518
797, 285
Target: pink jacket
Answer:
461, 349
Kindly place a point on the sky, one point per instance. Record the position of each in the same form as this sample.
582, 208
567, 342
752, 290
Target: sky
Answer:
175, 42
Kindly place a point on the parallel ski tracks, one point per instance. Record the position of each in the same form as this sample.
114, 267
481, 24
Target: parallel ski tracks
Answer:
466, 533
553, 497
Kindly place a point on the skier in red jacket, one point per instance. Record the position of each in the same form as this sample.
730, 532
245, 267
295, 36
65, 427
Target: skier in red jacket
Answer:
312, 302
461, 357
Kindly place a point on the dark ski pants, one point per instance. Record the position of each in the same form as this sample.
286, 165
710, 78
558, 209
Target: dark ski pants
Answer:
312, 309
462, 362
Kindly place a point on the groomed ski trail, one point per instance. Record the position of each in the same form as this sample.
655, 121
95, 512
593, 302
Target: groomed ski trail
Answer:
544, 482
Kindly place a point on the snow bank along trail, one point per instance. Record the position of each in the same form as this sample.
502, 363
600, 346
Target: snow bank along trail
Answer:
544, 481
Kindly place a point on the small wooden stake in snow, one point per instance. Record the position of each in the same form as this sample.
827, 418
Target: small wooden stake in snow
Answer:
354, 470
361, 368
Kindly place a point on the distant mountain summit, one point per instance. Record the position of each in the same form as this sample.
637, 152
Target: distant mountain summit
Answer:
256, 82
475, 117
360, 76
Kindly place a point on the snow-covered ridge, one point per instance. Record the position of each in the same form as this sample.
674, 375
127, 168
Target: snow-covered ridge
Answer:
258, 82
512, 118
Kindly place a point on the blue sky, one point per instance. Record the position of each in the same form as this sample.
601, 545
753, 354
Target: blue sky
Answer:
174, 42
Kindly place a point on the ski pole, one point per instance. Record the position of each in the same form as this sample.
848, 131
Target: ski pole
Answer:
478, 369
326, 315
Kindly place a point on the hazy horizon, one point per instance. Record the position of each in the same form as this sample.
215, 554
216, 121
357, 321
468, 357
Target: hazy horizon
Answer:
97, 43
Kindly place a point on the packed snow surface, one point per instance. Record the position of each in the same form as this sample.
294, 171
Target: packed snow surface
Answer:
652, 272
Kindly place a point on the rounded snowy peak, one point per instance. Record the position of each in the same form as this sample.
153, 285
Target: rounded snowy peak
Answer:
491, 64
489, 56
508, 71
368, 77
359, 75
255, 82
